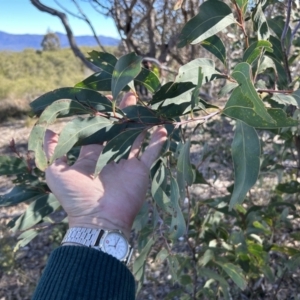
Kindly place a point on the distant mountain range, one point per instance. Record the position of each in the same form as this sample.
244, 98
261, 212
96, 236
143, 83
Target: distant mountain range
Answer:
19, 42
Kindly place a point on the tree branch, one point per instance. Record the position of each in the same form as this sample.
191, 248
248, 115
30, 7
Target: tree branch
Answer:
77, 52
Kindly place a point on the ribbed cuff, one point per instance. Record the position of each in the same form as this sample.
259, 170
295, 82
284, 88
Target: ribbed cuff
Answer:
86, 274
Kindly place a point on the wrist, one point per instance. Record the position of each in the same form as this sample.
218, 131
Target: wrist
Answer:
102, 223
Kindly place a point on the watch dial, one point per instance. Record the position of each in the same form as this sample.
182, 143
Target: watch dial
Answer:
115, 245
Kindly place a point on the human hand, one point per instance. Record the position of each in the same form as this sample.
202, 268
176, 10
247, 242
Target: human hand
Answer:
115, 196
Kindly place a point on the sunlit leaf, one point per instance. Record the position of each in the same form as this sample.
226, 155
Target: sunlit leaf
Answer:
148, 79
86, 97
235, 273
244, 104
18, 194
76, 130
246, 159
184, 165
43, 205
126, 69
178, 226
104, 60
260, 22
284, 99
213, 17
215, 46
117, 148
25, 238
255, 50
11, 165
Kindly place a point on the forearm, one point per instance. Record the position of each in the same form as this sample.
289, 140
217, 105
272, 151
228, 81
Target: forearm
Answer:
84, 273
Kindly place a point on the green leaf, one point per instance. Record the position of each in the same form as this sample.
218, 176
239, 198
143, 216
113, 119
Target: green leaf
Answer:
89, 99
10, 165
244, 104
284, 99
245, 150
104, 60
260, 24
235, 273
213, 17
195, 93
277, 24
159, 188
25, 238
126, 69
148, 79
255, 50
178, 226
18, 194
212, 275
44, 205
49, 115
190, 71
76, 130
184, 165
215, 46
117, 148
173, 267
171, 90
99, 82
227, 88
139, 264
291, 187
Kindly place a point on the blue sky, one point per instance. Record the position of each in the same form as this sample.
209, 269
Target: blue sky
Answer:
20, 16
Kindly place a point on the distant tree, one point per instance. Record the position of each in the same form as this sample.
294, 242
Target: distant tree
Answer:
50, 42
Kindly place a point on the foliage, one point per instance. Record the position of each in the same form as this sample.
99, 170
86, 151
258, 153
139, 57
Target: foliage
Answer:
230, 238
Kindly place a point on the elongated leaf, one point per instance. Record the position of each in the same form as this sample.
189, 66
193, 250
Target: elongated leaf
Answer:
104, 60
87, 97
11, 165
284, 99
227, 88
260, 23
18, 194
178, 226
290, 187
126, 69
139, 264
117, 148
277, 25
159, 189
171, 90
76, 130
190, 71
213, 275
49, 115
25, 238
246, 159
215, 46
99, 82
213, 17
195, 93
44, 205
255, 50
184, 165
141, 115
235, 273
244, 104
173, 267
148, 79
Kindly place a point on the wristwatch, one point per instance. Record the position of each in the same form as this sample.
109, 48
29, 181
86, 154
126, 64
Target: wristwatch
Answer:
112, 242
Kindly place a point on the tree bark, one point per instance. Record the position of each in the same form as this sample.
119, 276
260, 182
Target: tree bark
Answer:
77, 52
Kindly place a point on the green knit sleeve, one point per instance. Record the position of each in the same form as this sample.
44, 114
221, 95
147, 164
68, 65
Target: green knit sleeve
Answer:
83, 273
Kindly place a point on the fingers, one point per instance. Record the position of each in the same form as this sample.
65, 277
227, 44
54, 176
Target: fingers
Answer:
90, 152
128, 99
136, 146
50, 142
152, 151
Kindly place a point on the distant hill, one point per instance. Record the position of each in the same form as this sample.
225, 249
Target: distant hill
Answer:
19, 42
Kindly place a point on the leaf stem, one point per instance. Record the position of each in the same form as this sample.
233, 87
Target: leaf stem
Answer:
241, 23
203, 118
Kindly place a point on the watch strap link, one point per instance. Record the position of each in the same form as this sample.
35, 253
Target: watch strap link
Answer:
82, 236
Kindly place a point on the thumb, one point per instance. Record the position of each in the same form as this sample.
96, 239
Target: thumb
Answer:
50, 142
152, 151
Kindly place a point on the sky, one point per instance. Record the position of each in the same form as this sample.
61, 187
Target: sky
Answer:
20, 16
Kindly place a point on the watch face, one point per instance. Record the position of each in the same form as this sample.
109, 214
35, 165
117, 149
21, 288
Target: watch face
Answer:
116, 245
